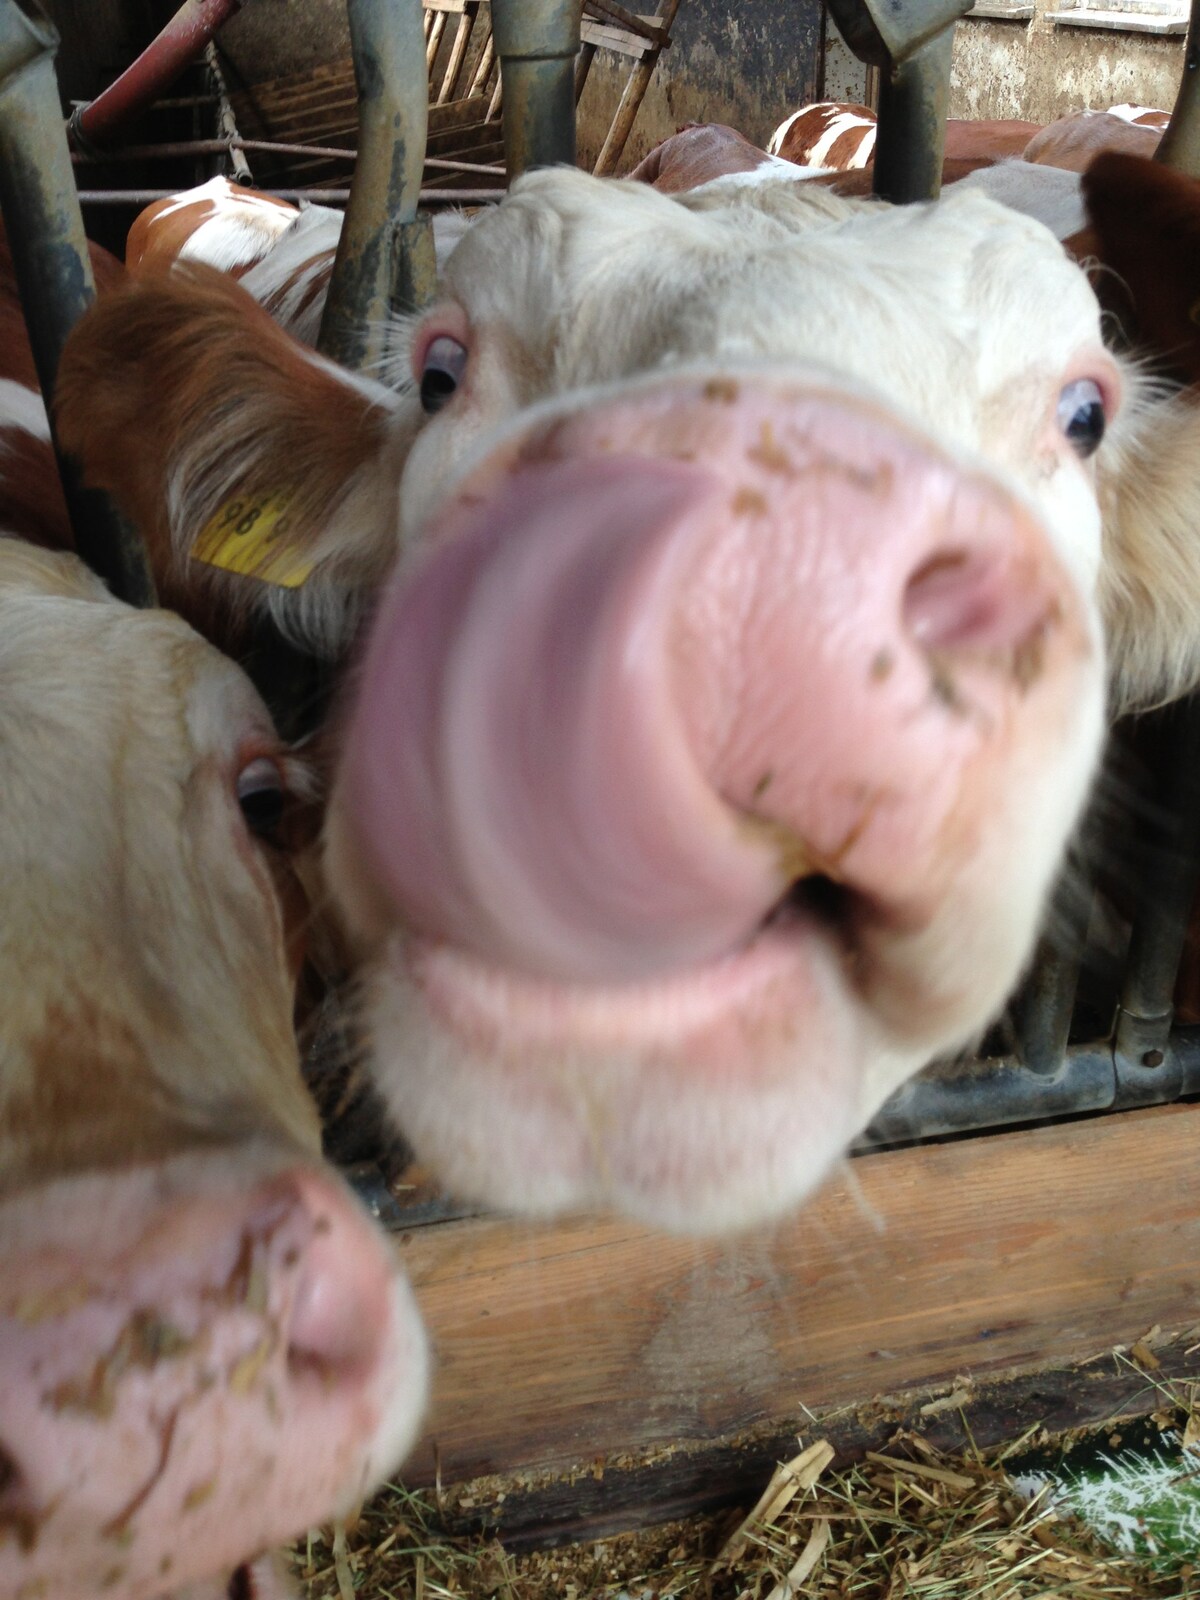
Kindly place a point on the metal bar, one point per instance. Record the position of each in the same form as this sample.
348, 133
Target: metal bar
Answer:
1042, 1011
537, 41
180, 43
911, 139
631, 100
385, 260
1167, 890
321, 197
192, 147
1180, 146
52, 267
990, 1094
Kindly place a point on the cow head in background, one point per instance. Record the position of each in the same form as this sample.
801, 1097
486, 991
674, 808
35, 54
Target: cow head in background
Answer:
205, 1344
741, 677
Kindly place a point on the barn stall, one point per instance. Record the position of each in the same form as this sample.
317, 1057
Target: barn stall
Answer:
1007, 1223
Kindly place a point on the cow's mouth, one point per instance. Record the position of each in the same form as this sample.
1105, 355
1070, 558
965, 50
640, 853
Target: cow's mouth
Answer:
678, 758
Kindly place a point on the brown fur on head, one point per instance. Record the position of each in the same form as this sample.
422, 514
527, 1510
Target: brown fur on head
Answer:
223, 404
144, 953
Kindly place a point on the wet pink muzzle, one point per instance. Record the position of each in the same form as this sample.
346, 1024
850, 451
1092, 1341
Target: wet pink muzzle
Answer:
668, 658
194, 1365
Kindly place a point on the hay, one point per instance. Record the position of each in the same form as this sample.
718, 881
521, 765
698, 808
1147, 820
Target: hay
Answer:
909, 1525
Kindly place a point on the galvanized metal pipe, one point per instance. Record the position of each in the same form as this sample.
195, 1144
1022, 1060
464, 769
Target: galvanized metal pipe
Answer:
51, 263
180, 43
1180, 146
911, 141
1167, 889
385, 261
997, 1093
537, 42
1042, 1011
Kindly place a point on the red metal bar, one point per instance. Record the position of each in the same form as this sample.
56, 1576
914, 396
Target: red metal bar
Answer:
180, 43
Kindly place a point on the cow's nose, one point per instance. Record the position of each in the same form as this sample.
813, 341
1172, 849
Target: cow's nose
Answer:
637, 691
212, 1371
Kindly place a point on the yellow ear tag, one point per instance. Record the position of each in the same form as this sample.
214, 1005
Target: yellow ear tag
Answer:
246, 536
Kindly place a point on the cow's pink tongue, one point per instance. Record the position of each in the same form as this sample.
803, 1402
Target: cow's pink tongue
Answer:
520, 776
629, 700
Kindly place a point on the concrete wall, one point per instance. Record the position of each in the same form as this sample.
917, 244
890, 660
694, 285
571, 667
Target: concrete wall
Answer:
1038, 71
744, 62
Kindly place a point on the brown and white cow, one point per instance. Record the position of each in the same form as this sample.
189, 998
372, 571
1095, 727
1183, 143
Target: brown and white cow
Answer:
205, 1343
828, 133
698, 154
841, 136
1074, 141
283, 253
220, 222
742, 674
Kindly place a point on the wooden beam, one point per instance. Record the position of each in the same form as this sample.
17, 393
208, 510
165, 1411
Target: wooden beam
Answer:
561, 1344
1109, 1395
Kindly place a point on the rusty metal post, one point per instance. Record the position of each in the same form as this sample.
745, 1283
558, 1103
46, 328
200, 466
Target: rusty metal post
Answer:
180, 43
50, 260
911, 141
1180, 147
385, 261
537, 42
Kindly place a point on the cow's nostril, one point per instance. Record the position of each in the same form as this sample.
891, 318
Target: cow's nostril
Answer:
332, 1332
818, 896
951, 598
8, 1473
241, 1585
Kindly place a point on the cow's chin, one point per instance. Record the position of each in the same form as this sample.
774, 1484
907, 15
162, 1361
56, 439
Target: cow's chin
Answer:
701, 1103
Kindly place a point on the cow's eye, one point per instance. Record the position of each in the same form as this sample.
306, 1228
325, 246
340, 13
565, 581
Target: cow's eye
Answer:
262, 796
1081, 415
441, 372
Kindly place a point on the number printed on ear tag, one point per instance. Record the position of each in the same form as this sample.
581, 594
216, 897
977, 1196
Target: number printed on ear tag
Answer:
248, 535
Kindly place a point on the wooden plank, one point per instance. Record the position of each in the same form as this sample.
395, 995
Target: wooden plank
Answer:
1108, 1394
560, 1343
609, 37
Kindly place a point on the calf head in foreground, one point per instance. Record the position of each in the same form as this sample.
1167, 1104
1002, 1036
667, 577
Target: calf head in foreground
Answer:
741, 678
205, 1344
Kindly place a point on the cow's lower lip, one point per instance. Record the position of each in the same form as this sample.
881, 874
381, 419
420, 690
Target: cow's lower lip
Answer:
696, 1102
473, 996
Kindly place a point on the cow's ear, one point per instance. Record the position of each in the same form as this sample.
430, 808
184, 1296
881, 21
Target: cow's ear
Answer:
1145, 230
259, 474
1150, 571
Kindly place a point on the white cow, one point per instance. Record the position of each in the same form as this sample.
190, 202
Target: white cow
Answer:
743, 670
